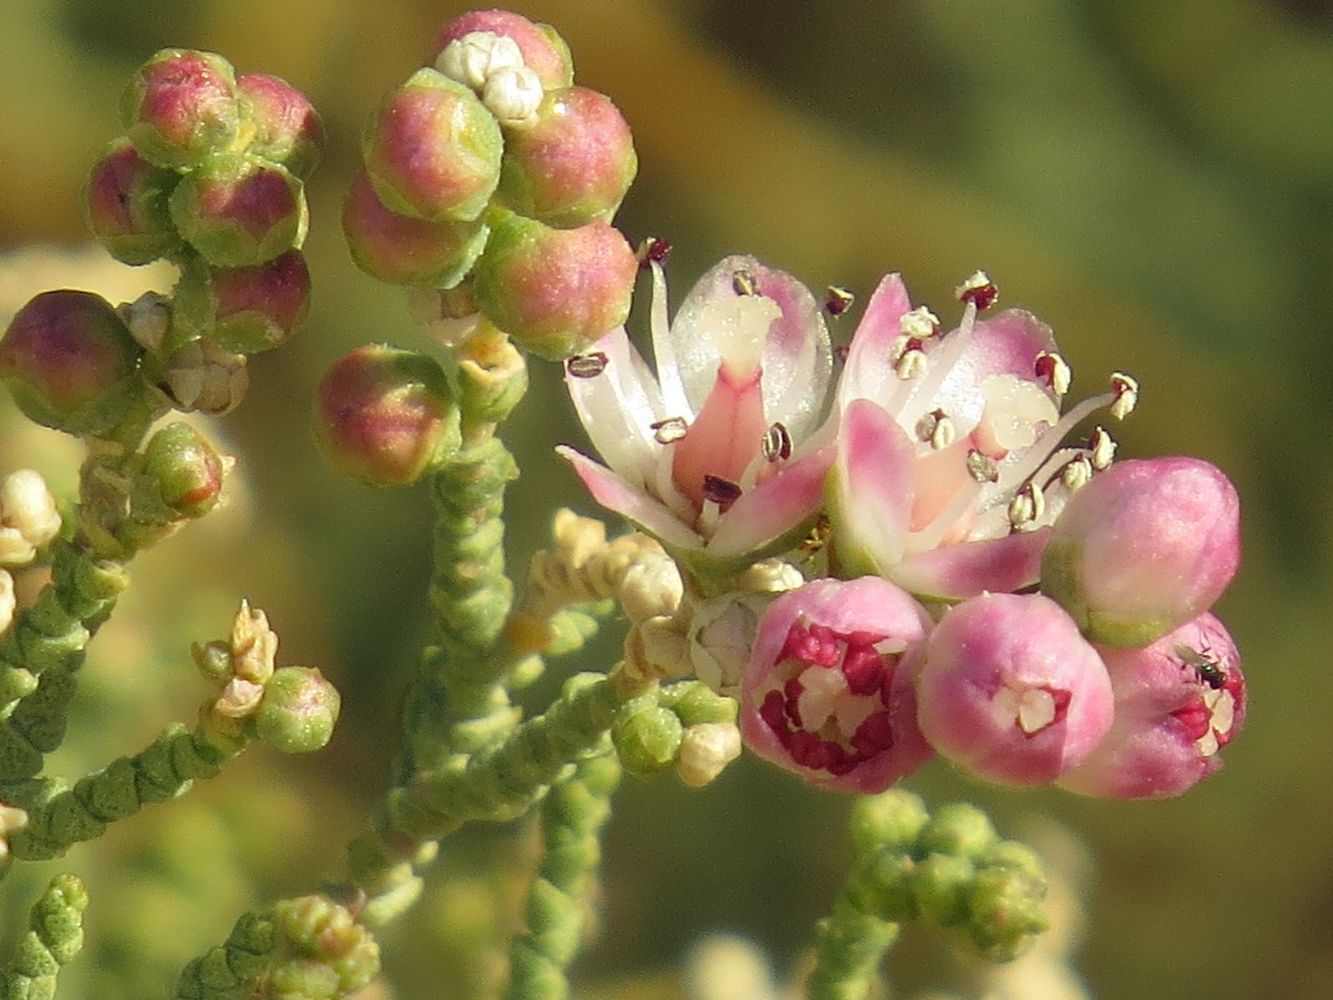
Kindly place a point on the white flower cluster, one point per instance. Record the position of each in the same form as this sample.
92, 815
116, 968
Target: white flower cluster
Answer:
492, 65
28, 520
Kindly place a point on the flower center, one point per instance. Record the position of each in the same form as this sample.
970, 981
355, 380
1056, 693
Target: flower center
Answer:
1031, 709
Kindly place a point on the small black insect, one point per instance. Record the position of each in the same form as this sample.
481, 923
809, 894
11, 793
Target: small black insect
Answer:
1209, 670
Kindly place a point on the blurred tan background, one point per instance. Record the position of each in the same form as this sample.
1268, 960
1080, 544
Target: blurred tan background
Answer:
1153, 179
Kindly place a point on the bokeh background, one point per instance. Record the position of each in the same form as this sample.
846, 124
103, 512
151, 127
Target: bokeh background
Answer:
1154, 179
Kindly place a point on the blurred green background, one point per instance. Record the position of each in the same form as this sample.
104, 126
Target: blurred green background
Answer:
1154, 179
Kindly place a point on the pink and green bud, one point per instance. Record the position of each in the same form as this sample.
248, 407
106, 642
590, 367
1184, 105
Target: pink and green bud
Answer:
70, 362
544, 51
1145, 547
287, 128
181, 107
126, 206
385, 416
184, 469
433, 150
571, 166
298, 712
555, 291
240, 210
403, 250
1009, 690
244, 310
825, 694
1178, 701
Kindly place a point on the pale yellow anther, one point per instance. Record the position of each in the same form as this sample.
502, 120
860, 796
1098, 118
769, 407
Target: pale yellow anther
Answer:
982, 467
919, 323
1126, 390
1101, 448
1031, 709
254, 645
975, 282
822, 689
1076, 473
8, 602
1027, 508
1221, 705
937, 430
705, 751
911, 364
1058, 371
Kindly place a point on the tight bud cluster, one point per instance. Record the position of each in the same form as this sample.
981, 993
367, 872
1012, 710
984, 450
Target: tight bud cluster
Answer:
489, 170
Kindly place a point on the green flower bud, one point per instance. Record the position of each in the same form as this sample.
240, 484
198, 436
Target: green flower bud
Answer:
181, 107
891, 819
406, 251
555, 291
238, 210
960, 829
287, 128
433, 150
941, 889
695, 703
1004, 912
884, 884
385, 415
125, 202
244, 310
573, 165
298, 710
184, 471
647, 740
70, 362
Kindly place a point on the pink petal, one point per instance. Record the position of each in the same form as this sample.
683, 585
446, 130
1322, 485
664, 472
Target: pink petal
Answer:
1004, 344
869, 366
725, 437
953, 572
618, 406
615, 494
777, 506
870, 489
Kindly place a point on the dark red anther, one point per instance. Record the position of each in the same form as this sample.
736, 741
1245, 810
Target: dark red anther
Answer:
875, 734
654, 250
837, 300
586, 365
983, 296
774, 712
861, 666
792, 692
722, 492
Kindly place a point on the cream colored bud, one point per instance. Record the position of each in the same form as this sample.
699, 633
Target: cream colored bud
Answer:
723, 967
202, 376
706, 750
475, 57
254, 645
663, 646
513, 95
652, 586
7, 601
28, 517
577, 539
148, 318
770, 576
239, 699
721, 635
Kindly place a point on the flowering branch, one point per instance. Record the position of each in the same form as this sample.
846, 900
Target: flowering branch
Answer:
54, 938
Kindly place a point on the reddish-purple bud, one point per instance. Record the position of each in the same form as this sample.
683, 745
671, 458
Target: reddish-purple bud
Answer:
1146, 546
240, 210
183, 470
244, 310
555, 291
544, 51
433, 150
1011, 691
126, 205
70, 362
1178, 701
385, 416
406, 251
287, 129
825, 693
573, 164
181, 107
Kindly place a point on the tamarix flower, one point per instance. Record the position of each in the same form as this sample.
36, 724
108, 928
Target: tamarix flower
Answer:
950, 467
1010, 691
1147, 546
716, 456
1178, 701
824, 694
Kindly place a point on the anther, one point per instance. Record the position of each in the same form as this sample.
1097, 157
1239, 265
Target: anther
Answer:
721, 491
982, 467
1076, 473
744, 283
837, 300
777, 443
1055, 369
1126, 390
653, 250
586, 365
669, 430
1101, 448
911, 364
978, 290
919, 323
937, 429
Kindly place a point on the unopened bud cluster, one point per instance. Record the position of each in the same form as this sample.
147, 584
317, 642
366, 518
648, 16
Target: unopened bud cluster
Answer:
28, 521
488, 172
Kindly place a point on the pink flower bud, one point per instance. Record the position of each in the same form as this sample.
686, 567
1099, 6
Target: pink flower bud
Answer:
1146, 546
573, 165
1178, 701
239, 210
824, 694
1010, 691
544, 51
181, 107
385, 415
298, 712
183, 469
288, 130
70, 362
126, 205
433, 150
555, 291
245, 310
406, 251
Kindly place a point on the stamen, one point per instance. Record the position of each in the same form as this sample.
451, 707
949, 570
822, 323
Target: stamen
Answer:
1027, 507
937, 429
978, 290
653, 250
982, 467
1126, 389
912, 363
586, 365
1101, 448
1076, 474
720, 491
1055, 369
919, 323
744, 283
777, 443
837, 300
669, 430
